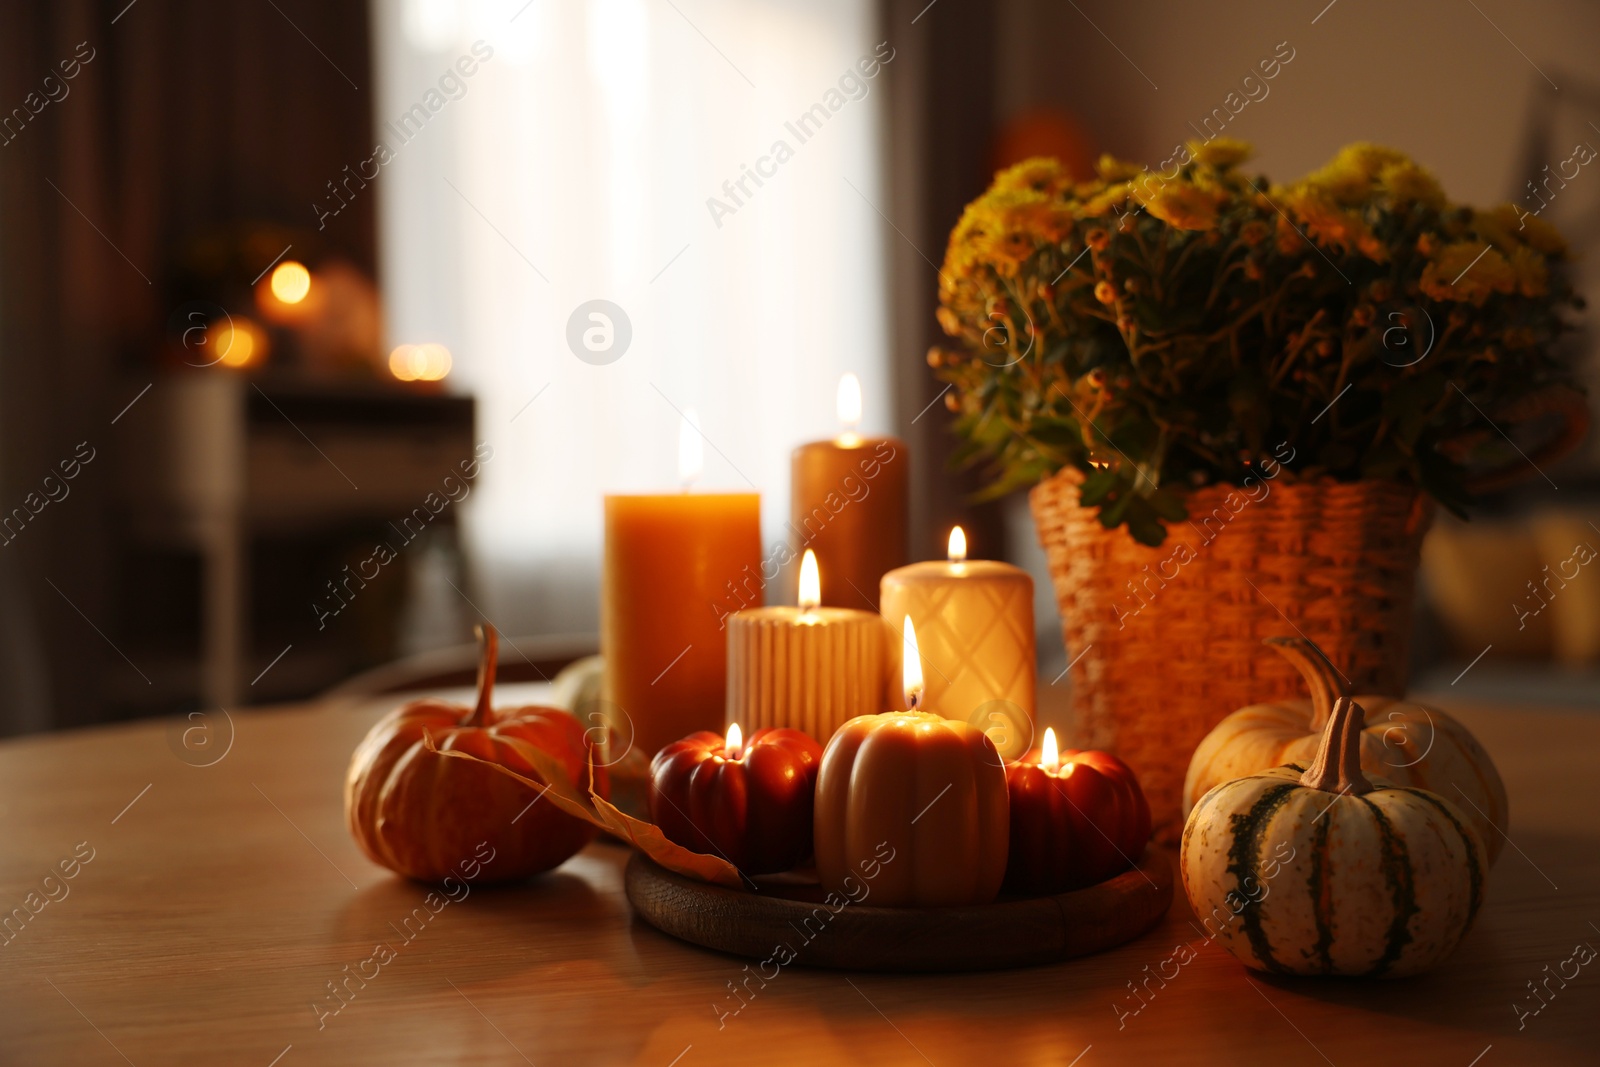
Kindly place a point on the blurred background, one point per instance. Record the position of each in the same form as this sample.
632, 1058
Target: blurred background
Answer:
287, 287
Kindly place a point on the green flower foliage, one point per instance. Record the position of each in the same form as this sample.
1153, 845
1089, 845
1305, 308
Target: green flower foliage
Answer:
1166, 330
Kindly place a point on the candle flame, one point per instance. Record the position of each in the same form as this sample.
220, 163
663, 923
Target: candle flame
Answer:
290, 282
420, 363
849, 402
1049, 755
735, 742
691, 452
958, 545
911, 667
810, 582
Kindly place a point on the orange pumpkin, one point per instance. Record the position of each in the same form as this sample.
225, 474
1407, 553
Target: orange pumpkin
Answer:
423, 814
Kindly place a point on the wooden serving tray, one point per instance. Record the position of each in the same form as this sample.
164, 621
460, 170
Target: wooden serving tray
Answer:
1012, 932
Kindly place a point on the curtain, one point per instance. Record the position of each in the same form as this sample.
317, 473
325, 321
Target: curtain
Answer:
179, 117
711, 169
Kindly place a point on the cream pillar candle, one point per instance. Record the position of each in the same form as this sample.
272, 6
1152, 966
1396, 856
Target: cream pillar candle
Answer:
809, 668
974, 623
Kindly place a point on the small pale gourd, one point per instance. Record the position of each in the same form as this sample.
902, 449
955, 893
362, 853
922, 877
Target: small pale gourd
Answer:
1323, 871
1411, 744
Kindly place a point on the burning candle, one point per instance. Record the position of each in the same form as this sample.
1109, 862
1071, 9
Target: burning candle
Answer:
975, 618
1077, 818
749, 802
668, 558
808, 667
849, 501
911, 687
918, 787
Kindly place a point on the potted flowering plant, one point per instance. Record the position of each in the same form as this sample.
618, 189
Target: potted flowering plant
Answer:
1235, 401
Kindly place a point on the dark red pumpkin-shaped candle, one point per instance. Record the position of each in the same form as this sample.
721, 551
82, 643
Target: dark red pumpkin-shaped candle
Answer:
749, 802
1077, 818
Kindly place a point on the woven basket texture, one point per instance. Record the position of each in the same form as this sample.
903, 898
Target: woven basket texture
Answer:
1170, 637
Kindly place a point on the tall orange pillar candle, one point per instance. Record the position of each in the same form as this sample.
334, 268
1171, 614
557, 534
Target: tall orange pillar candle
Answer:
668, 562
849, 501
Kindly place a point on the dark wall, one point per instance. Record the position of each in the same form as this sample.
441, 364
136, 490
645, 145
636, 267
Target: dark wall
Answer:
941, 124
189, 118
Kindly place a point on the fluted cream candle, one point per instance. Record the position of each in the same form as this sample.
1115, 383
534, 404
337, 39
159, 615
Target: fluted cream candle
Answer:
974, 623
810, 668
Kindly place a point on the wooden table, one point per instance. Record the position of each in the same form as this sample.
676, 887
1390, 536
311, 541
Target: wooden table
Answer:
221, 900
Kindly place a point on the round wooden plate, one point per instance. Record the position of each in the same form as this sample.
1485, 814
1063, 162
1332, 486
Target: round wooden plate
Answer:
1012, 932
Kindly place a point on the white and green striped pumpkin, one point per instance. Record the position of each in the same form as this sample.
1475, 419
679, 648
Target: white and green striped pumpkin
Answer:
1322, 871
1411, 744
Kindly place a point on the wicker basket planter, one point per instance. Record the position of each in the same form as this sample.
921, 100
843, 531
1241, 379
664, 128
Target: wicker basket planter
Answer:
1170, 637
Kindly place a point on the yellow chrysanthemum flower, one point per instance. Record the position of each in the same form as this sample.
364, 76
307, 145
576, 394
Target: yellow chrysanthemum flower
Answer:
1339, 182
1368, 159
1332, 227
1047, 221
1491, 226
1038, 174
1371, 247
1112, 169
1532, 273
1467, 272
1102, 203
1530, 228
1407, 183
1543, 236
1180, 205
1305, 202
1220, 152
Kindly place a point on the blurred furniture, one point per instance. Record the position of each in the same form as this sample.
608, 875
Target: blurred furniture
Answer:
219, 459
1526, 589
522, 659
237, 887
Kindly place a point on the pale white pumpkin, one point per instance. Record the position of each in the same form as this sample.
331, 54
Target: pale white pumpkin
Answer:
1322, 871
1410, 744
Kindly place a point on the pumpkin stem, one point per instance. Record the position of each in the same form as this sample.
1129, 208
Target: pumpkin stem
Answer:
1322, 677
1337, 768
486, 665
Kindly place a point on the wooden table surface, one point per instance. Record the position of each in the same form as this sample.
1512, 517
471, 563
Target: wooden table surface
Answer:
221, 900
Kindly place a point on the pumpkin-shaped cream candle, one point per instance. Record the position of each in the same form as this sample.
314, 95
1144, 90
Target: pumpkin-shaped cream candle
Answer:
917, 800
